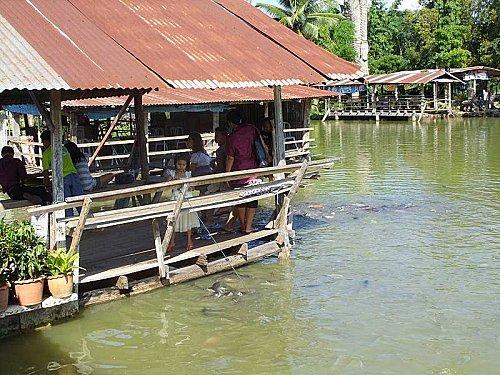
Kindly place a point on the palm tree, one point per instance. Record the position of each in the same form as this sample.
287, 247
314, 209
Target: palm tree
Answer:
303, 16
358, 10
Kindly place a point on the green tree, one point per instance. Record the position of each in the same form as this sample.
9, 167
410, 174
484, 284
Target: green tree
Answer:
303, 16
387, 37
485, 43
318, 21
453, 33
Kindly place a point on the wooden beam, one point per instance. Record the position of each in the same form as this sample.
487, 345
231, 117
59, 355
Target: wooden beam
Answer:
110, 129
56, 145
173, 218
141, 136
77, 234
43, 112
279, 139
73, 127
162, 267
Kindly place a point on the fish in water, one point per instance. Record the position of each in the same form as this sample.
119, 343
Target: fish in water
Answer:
220, 291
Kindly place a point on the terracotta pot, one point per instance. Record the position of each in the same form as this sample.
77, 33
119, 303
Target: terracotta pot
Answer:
4, 296
29, 292
61, 286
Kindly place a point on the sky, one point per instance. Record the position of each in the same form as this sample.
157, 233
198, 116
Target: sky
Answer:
405, 4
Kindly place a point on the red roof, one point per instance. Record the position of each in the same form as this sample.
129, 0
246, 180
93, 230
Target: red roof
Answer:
203, 96
198, 44
316, 57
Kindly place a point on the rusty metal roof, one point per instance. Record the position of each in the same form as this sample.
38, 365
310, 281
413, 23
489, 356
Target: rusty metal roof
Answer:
170, 96
199, 44
411, 77
315, 57
49, 44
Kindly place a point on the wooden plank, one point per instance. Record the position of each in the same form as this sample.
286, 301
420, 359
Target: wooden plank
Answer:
194, 181
134, 214
162, 268
43, 112
9, 204
214, 248
173, 219
178, 276
77, 235
202, 180
110, 129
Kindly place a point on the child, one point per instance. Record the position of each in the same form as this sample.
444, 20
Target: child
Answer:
186, 221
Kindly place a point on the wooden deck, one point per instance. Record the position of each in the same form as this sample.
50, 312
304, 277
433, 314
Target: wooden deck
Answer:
108, 253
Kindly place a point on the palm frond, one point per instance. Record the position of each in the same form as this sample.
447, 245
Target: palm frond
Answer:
273, 10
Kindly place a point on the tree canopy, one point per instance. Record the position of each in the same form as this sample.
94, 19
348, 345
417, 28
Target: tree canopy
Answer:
317, 20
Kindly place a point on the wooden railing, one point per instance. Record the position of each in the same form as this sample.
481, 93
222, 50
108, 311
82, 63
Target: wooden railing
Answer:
170, 210
160, 149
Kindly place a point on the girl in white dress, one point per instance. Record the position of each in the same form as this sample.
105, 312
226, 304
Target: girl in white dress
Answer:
186, 220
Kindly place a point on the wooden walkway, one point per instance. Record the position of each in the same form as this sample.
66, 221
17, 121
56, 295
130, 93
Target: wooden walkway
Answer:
108, 253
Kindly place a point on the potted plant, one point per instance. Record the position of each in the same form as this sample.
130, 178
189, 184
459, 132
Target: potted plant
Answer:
60, 265
4, 291
23, 256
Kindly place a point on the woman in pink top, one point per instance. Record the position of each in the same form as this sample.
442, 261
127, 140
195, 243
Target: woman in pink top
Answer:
241, 156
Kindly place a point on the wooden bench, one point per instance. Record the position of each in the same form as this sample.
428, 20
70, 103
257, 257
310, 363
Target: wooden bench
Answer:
10, 204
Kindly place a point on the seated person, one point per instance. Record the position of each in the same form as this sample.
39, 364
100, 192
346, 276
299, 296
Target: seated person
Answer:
72, 185
12, 177
200, 160
80, 162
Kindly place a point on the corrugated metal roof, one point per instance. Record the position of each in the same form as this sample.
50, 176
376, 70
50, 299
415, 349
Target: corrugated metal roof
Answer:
491, 72
198, 44
203, 96
49, 44
410, 77
317, 58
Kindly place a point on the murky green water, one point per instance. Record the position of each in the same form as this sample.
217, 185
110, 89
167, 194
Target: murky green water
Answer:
395, 271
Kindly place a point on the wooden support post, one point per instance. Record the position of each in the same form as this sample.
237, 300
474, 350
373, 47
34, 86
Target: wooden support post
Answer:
73, 127
141, 136
306, 121
281, 222
57, 166
279, 138
122, 283
117, 118
202, 261
215, 120
173, 218
434, 94
243, 251
77, 234
56, 145
162, 267
449, 95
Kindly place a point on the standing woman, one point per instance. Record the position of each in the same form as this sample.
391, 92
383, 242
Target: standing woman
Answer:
241, 156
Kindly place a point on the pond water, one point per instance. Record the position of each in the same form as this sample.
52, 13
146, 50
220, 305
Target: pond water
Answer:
394, 271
